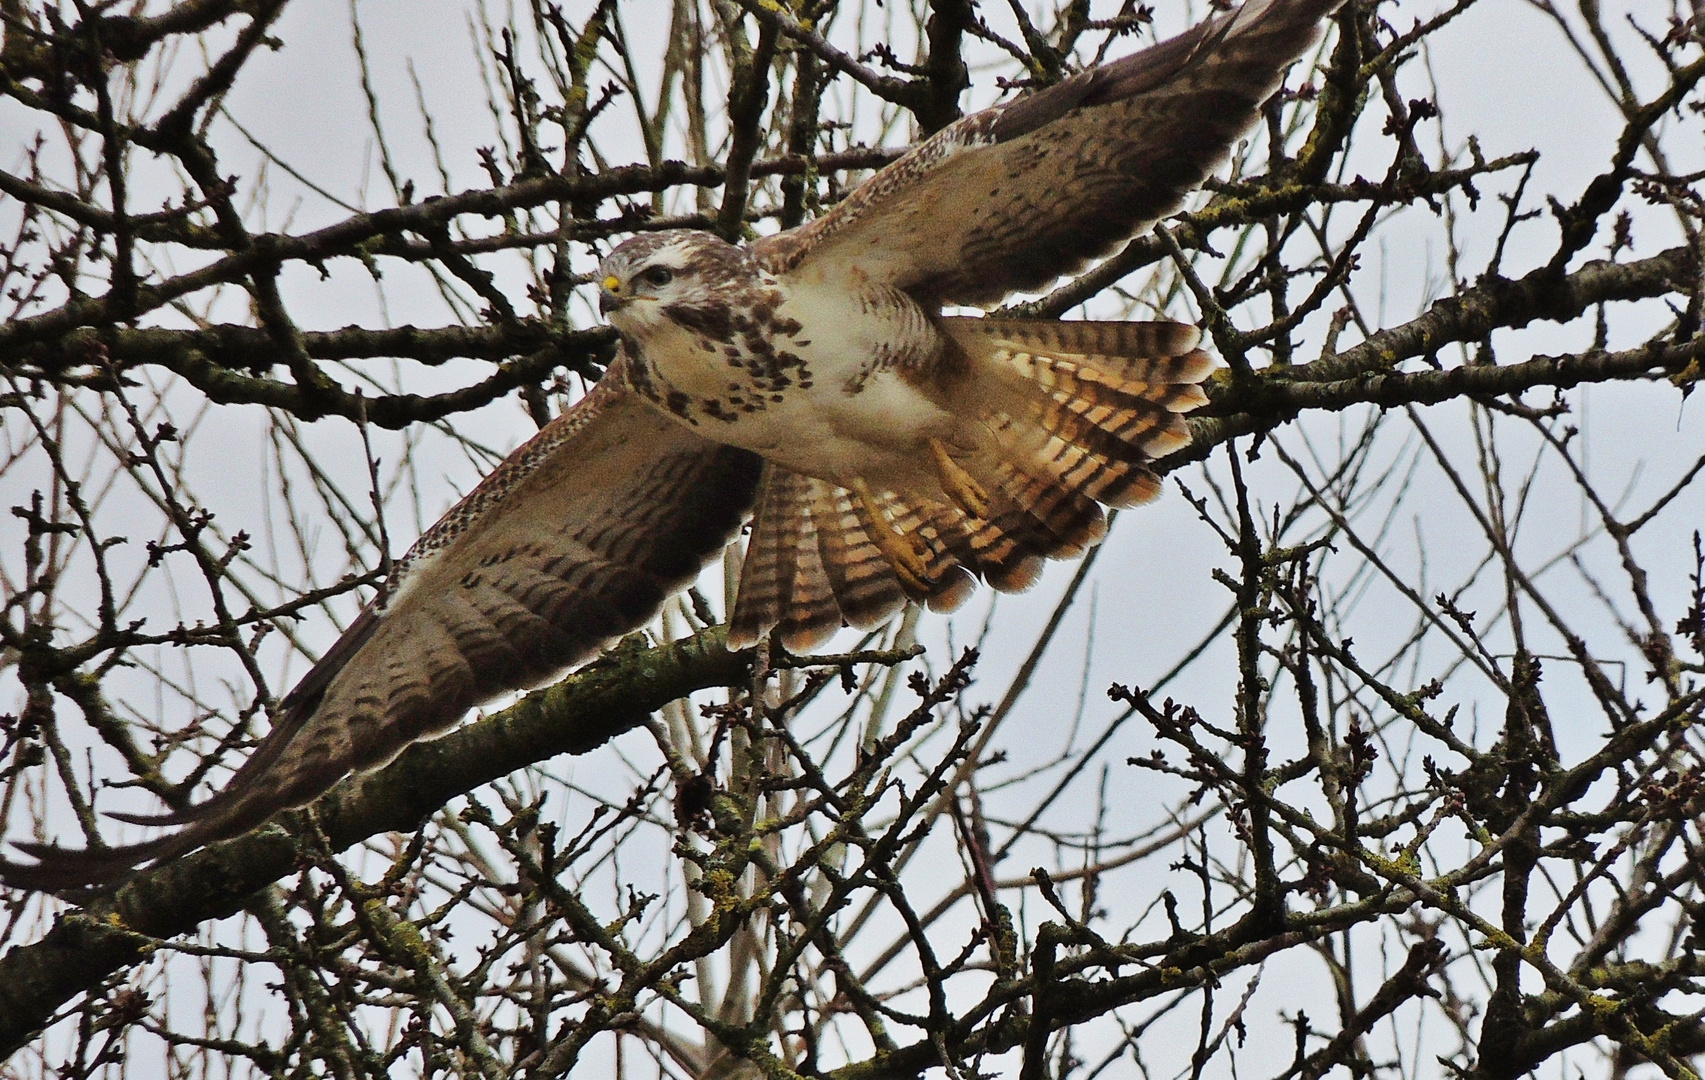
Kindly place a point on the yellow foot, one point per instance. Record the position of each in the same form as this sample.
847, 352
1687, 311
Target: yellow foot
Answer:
960, 485
897, 548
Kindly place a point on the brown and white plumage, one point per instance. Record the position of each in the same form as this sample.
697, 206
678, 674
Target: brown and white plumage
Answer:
890, 453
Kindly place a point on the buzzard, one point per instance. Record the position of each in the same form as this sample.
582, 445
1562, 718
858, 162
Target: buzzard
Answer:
887, 453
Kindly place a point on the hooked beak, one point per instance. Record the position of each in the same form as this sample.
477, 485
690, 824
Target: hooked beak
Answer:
610, 295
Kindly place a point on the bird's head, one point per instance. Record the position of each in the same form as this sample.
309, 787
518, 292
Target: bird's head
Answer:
653, 276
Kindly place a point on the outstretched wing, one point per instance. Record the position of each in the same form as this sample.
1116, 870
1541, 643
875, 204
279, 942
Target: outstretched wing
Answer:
1011, 198
577, 538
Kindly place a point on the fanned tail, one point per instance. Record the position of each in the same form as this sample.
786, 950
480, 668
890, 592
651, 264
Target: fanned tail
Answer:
1069, 417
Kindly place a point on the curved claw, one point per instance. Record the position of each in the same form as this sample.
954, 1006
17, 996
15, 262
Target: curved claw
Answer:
895, 546
959, 485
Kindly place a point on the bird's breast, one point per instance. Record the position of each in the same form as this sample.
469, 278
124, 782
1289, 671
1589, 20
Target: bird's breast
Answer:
826, 380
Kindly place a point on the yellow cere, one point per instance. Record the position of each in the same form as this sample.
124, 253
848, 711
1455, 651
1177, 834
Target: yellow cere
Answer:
613, 283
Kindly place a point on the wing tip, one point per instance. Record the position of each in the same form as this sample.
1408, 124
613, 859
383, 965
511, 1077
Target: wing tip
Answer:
58, 869
171, 817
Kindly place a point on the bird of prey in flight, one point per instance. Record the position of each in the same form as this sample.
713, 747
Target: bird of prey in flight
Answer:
887, 453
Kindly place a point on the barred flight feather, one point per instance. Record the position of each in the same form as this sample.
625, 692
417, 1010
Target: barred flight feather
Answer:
864, 585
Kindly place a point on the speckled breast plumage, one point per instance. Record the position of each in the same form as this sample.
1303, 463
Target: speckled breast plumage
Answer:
829, 381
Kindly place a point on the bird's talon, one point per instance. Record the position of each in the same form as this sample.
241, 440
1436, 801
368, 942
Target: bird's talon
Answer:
959, 485
895, 546
913, 574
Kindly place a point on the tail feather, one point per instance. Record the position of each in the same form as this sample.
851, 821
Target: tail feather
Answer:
811, 615
997, 548
783, 582
757, 606
1070, 453
864, 585
1089, 404
1130, 351
1051, 519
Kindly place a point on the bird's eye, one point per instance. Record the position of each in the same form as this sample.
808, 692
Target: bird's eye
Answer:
658, 276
